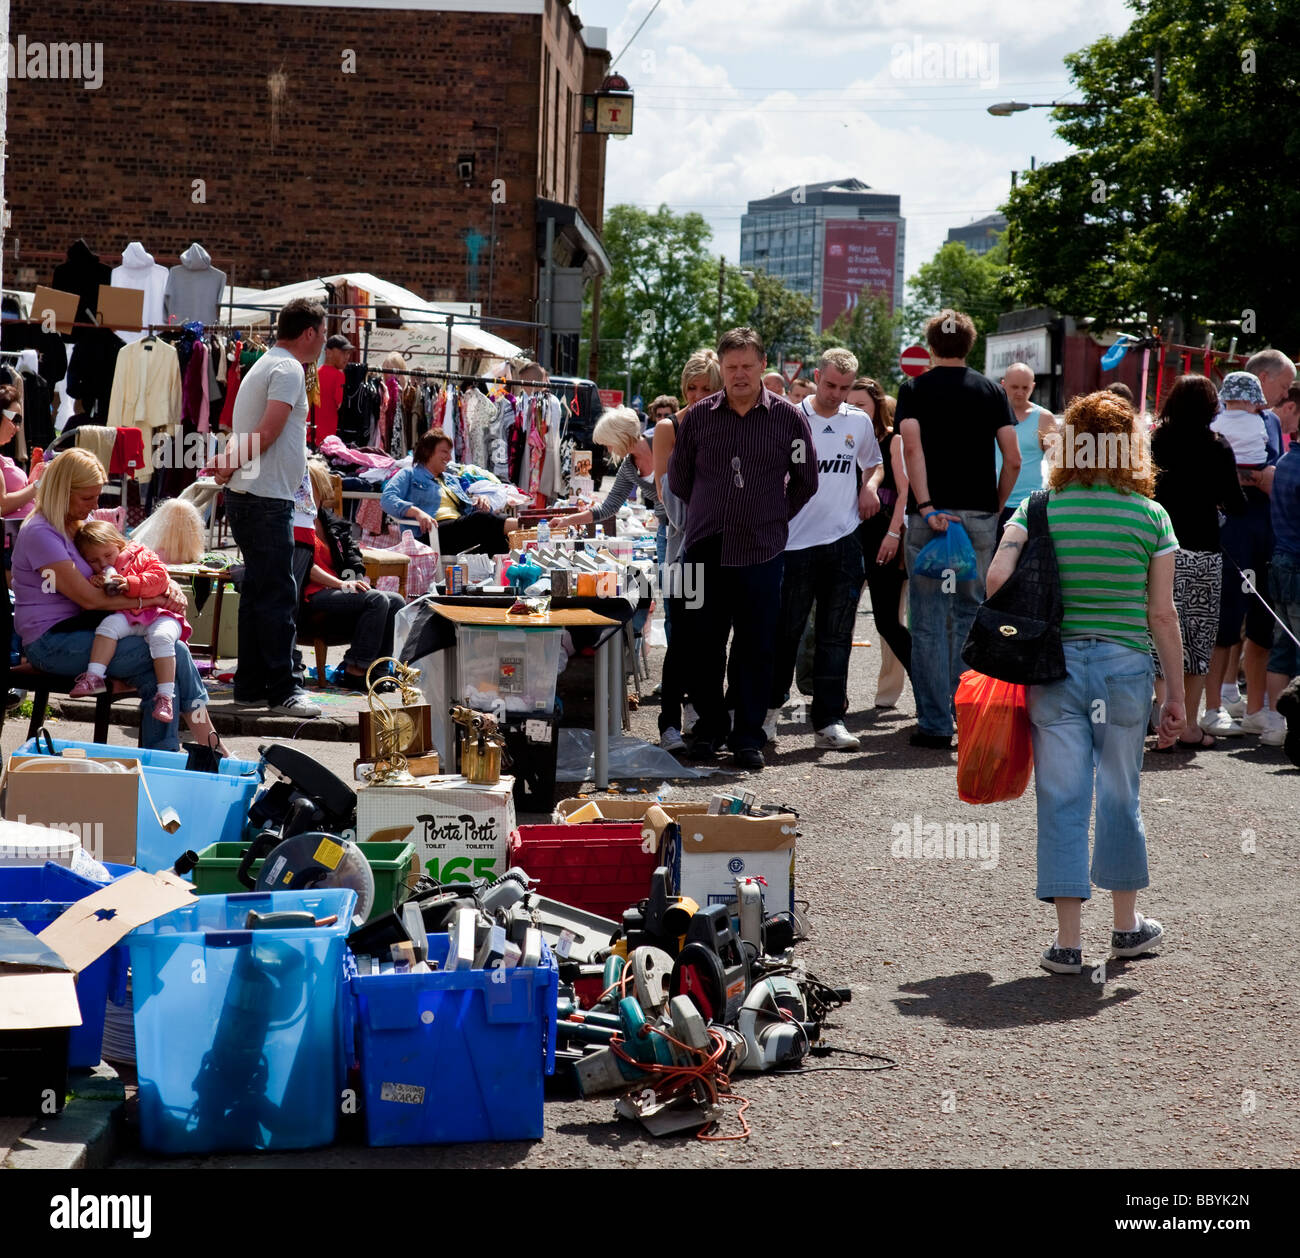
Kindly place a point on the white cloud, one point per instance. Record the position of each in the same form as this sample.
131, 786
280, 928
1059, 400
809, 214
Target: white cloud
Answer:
737, 99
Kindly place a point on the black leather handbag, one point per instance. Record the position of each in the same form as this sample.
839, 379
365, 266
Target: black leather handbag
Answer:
1016, 635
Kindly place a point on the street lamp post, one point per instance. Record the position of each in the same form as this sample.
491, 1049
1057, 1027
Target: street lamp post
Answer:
1005, 108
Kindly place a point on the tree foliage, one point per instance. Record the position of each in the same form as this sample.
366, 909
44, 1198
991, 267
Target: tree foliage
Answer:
872, 332
959, 279
660, 304
1180, 197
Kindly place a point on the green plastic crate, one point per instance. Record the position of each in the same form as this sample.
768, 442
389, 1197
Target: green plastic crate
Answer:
215, 874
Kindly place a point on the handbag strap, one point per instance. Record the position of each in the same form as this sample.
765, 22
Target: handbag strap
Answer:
1037, 513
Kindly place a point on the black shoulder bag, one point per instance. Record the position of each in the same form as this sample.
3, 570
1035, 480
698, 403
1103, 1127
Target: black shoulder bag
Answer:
1016, 635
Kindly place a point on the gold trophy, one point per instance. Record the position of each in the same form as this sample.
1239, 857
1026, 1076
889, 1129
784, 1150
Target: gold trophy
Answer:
394, 727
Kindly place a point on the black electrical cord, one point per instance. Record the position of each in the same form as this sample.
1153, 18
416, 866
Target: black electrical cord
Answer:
825, 1050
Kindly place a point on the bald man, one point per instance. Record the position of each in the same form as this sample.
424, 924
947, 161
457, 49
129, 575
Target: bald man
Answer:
774, 382
1034, 425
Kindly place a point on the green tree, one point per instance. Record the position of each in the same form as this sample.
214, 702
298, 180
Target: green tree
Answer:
660, 304
1178, 199
871, 330
959, 279
785, 319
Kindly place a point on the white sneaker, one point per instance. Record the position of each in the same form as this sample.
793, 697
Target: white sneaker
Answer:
1235, 708
1216, 721
689, 717
769, 725
671, 740
1270, 727
298, 706
1230, 697
836, 738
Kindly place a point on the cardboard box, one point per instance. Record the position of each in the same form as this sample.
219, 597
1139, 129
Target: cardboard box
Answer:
460, 831
38, 995
201, 621
707, 853
101, 809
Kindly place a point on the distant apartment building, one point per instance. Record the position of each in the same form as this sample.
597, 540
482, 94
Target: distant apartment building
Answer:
981, 235
828, 240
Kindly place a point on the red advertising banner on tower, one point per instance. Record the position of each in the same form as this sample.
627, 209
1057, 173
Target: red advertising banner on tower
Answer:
857, 255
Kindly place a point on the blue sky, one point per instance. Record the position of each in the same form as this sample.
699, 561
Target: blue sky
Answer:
737, 99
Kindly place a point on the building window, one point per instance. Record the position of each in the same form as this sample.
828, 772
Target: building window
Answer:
546, 113
555, 132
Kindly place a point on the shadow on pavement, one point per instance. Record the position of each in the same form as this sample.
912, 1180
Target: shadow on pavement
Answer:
973, 999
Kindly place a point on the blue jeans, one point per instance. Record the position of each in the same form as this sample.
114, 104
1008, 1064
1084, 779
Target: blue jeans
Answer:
1284, 574
69, 654
268, 598
941, 619
831, 575
1089, 729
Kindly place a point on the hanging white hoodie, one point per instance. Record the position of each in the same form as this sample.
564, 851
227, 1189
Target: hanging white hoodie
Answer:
140, 271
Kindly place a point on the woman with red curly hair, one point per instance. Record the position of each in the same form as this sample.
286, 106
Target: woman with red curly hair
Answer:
1115, 548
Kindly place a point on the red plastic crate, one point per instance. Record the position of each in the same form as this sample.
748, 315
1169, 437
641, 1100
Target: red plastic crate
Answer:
598, 866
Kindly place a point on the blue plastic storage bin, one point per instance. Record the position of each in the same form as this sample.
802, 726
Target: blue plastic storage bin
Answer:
37, 894
213, 807
448, 1058
238, 1033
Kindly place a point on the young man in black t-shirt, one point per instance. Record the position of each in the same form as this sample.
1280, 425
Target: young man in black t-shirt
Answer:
950, 419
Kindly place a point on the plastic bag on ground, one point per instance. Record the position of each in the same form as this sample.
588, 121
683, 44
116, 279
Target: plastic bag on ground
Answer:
629, 759
995, 755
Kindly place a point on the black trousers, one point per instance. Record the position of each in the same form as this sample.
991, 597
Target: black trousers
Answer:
475, 530
746, 602
885, 582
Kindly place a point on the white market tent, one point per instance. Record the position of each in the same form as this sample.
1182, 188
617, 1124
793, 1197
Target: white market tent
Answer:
424, 329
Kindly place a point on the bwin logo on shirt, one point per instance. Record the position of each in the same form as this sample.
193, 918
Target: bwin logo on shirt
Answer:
842, 464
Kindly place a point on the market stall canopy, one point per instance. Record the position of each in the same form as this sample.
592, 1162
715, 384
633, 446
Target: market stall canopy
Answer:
423, 323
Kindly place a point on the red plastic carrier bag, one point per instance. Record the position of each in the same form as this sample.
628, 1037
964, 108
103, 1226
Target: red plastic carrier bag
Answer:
994, 753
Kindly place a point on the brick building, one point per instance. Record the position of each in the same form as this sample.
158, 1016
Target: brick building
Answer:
425, 141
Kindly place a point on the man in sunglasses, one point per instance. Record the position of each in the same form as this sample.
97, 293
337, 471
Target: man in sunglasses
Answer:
745, 465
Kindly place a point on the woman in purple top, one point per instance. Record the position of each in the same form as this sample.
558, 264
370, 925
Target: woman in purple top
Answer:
56, 608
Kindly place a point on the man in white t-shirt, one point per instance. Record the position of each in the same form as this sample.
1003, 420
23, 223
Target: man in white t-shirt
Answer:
262, 468
823, 557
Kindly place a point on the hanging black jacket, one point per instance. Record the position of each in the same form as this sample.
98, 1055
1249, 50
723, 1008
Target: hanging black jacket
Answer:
82, 274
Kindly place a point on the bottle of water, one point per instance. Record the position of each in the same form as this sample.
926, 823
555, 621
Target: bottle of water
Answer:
600, 535
543, 532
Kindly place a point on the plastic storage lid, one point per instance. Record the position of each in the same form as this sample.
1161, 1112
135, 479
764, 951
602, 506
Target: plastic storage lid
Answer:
34, 845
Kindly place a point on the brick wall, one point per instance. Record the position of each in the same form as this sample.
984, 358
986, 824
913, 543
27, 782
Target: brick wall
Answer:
307, 169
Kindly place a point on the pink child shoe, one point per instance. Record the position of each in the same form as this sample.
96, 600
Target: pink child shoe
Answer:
163, 710
87, 684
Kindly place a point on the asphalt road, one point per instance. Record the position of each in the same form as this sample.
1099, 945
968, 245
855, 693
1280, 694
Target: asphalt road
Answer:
1182, 1059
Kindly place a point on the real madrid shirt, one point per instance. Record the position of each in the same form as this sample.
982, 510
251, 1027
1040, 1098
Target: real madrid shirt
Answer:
842, 444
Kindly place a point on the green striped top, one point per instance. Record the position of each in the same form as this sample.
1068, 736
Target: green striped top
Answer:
1105, 541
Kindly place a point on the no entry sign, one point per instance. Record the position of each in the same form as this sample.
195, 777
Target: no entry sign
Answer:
915, 360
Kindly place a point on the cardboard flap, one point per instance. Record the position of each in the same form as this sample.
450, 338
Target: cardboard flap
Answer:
62, 305
36, 988
46, 998
738, 834
92, 926
121, 309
